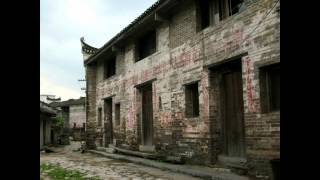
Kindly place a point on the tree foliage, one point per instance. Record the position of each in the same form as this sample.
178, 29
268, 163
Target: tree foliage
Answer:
58, 121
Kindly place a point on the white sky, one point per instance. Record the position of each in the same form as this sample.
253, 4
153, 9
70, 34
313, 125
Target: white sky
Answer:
63, 23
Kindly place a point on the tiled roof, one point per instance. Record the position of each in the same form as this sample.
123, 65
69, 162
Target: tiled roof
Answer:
69, 102
125, 30
46, 108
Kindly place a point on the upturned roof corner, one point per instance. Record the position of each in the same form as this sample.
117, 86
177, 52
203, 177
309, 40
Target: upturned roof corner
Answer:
87, 50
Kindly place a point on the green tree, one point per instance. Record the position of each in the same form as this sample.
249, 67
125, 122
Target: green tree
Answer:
58, 122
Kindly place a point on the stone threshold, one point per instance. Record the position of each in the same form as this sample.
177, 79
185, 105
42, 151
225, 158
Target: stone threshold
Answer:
203, 172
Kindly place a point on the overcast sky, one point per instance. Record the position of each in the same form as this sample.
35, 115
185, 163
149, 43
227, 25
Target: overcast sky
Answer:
63, 23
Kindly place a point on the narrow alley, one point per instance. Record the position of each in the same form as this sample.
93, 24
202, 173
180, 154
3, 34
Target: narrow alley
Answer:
103, 168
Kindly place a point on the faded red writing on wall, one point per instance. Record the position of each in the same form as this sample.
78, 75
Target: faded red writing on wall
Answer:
179, 115
179, 60
249, 86
130, 119
165, 119
186, 58
227, 44
205, 94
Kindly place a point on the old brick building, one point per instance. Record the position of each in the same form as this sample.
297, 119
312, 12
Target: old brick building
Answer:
74, 115
192, 79
46, 113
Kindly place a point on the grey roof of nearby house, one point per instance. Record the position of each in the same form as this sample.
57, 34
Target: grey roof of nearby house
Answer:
70, 102
54, 99
123, 31
46, 108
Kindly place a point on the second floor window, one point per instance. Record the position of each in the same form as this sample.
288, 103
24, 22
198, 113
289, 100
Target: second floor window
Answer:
192, 100
270, 88
229, 7
204, 13
109, 68
146, 45
210, 12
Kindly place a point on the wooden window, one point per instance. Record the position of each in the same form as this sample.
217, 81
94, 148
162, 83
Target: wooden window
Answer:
229, 7
192, 100
109, 68
146, 45
270, 88
99, 116
209, 12
117, 113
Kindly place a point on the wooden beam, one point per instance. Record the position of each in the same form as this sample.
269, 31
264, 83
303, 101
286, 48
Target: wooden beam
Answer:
159, 18
116, 49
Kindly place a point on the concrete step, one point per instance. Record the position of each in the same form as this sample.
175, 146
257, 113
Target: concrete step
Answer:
136, 153
106, 149
203, 172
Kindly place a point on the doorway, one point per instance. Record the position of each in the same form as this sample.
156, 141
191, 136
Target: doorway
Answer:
147, 115
227, 93
44, 127
108, 127
233, 111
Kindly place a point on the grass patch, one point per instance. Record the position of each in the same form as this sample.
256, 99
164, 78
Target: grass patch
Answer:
59, 173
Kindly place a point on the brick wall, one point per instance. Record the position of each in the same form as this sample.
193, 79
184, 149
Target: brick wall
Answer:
77, 115
183, 24
183, 57
91, 118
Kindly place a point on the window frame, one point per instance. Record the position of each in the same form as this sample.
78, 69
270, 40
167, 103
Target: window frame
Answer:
146, 39
106, 67
266, 97
192, 96
218, 10
117, 114
100, 116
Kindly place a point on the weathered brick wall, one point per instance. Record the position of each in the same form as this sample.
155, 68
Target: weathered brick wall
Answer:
183, 23
182, 57
45, 130
77, 115
64, 113
91, 122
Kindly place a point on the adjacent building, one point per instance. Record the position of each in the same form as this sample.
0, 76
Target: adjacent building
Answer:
47, 98
46, 112
197, 79
74, 115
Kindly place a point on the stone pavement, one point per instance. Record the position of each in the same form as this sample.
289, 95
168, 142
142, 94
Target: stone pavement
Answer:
202, 172
106, 168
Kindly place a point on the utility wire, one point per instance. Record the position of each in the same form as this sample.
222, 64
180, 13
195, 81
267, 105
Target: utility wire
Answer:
260, 22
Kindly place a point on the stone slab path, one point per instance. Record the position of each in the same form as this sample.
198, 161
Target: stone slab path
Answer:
105, 168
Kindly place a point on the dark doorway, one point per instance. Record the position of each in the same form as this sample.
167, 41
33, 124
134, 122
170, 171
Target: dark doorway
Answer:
44, 127
52, 137
232, 109
108, 128
147, 115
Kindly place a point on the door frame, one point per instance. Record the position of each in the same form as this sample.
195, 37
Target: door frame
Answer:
217, 115
110, 121
143, 89
142, 146
223, 107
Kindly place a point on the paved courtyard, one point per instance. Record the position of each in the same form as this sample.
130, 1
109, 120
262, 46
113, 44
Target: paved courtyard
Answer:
105, 168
